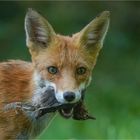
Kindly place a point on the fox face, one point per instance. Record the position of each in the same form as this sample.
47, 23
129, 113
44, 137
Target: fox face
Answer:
63, 62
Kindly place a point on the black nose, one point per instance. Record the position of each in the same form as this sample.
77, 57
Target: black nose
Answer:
69, 96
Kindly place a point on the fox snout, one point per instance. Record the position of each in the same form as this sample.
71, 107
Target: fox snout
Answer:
46, 96
69, 96
51, 90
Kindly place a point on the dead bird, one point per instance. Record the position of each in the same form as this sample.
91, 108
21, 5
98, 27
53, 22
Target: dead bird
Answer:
50, 104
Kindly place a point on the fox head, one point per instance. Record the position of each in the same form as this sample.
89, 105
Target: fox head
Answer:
64, 62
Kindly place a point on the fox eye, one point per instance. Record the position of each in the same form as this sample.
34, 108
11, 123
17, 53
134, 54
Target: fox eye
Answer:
52, 69
81, 70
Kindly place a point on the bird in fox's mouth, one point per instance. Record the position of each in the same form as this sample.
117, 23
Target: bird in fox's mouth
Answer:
49, 104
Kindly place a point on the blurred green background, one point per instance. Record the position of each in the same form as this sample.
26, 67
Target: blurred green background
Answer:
114, 94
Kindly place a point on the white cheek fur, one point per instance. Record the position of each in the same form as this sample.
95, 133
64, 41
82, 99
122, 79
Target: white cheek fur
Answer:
40, 90
59, 96
37, 78
38, 81
89, 81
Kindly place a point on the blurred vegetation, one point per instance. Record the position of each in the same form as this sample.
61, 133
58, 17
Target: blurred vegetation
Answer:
114, 95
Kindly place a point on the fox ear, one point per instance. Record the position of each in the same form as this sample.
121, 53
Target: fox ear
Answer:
94, 33
38, 30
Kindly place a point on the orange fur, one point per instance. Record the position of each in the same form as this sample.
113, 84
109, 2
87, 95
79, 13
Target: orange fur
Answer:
66, 53
15, 85
68, 57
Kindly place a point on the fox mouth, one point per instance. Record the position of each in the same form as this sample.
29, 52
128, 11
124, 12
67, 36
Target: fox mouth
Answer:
67, 111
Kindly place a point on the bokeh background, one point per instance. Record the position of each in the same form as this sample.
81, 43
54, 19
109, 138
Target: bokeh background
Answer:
114, 94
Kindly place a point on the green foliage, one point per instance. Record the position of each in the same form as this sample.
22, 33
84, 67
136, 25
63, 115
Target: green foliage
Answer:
113, 97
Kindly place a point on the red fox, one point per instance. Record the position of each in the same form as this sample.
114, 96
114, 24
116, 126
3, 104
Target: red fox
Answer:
62, 64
